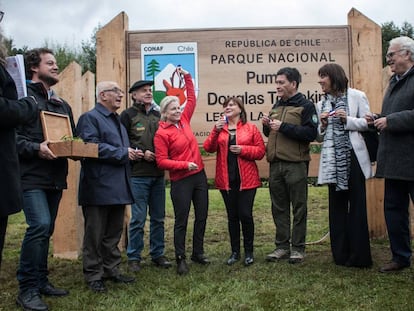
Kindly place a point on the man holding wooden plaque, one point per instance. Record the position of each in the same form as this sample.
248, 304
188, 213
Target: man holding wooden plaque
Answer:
43, 178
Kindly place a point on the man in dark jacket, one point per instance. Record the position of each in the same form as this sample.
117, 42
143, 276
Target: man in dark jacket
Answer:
13, 112
43, 178
395, 161
290, 127
104, 187
147, 181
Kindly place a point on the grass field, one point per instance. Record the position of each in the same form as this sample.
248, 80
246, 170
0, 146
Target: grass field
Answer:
316, 284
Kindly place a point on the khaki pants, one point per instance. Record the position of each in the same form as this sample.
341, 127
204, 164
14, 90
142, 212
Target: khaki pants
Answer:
288, 186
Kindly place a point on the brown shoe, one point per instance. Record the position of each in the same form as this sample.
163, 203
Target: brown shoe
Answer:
392, 266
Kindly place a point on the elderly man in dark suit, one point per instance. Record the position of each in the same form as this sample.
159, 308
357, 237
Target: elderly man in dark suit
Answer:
104, 187
395, 161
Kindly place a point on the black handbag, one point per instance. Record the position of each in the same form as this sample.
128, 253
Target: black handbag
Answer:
371, 141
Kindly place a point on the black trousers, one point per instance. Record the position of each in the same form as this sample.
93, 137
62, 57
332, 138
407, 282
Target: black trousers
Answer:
194, 189
348, 222
239, 207
103, 229
396, 210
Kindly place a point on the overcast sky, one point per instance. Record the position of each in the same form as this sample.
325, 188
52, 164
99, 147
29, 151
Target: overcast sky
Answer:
31, 23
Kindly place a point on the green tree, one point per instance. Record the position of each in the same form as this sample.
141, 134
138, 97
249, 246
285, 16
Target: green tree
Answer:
11, 50
87, 58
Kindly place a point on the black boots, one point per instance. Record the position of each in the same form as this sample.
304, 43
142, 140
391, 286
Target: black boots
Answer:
182, 267
30, 300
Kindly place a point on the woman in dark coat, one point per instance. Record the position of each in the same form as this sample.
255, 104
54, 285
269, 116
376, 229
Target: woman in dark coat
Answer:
12, 113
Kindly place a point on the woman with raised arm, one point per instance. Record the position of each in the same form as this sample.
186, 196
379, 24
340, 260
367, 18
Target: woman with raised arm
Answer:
176, 150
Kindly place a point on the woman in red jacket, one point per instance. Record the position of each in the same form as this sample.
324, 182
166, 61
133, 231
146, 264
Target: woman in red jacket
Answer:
238, 144
176, 150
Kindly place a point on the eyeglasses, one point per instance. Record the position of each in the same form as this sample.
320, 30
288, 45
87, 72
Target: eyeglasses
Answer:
1, 15
391, 54
116, 90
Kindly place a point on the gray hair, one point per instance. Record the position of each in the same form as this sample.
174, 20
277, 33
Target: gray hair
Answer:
100, 86
405, 43
166, 101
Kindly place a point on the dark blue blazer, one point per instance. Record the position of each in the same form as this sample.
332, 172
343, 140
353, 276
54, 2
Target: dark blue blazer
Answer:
105, 180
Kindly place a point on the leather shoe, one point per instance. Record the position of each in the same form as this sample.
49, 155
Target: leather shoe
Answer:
182, 267
30, 300
392, 266
200, 258
121, 278
134, 266
248, 260
234, 257
97, 286
161, 262
50, 290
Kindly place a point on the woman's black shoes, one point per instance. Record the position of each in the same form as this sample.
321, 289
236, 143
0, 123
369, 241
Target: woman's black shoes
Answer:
234, 257
248, 260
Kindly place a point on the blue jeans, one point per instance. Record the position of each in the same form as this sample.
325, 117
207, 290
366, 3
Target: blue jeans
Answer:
40, 209
149, 193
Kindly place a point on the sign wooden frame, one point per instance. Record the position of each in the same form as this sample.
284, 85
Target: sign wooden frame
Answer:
240, 62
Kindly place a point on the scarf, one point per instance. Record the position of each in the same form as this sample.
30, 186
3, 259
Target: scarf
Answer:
336, 149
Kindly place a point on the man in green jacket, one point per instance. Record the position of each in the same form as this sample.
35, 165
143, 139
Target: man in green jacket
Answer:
290, 127
147, 181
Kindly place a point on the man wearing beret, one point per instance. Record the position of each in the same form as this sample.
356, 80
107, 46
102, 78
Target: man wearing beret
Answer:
147, 181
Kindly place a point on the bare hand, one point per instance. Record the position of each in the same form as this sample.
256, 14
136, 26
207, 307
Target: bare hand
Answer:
45, 152
324, 119
265, 119
192, 166
236, 149
275, 124
135, 154
341, 113
182, 71
381, 123
220, 123
370, 118
149, 156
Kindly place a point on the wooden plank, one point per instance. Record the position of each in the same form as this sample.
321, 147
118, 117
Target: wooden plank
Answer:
67, 238
88, 91
111, 52
366, 60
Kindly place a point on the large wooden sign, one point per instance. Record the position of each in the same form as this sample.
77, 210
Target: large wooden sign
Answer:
234, 62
